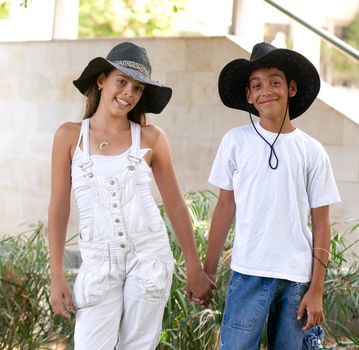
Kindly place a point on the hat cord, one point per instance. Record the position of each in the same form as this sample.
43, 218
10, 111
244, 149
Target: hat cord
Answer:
271, 145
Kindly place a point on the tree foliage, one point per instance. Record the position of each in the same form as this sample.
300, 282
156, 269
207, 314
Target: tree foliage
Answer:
4, 9
344, 70
353, 32
128, 18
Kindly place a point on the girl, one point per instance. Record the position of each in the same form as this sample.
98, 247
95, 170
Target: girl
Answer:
125, 277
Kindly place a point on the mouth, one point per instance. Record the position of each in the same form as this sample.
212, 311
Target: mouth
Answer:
122, 102
264, 102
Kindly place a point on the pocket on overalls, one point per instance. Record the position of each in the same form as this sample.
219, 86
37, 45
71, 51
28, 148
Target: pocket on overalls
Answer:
150, 213
153, 219
85, 232
156, 276
156, 265
92, 282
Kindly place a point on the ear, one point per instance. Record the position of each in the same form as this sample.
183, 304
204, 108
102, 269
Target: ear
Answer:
292, 88
248, 94
100, 80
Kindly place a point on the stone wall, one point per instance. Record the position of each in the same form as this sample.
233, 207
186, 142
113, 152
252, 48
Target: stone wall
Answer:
37, 95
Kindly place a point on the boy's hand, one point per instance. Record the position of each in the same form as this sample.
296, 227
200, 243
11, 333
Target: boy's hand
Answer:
199, 288
312, 305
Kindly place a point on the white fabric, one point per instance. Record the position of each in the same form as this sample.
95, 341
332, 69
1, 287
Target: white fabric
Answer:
272, 237
125, 277
108, 166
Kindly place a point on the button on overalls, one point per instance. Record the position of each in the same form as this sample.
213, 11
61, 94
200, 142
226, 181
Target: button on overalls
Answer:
125, 277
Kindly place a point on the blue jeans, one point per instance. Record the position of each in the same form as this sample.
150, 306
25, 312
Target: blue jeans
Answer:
250, 302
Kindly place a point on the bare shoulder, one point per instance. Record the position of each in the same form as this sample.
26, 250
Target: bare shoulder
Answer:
151, 134
68, 129
66, 135
68, 132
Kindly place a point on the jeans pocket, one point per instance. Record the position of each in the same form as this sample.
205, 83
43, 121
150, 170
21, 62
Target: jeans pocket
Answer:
92, 282
155, 275
296, 293
247, 302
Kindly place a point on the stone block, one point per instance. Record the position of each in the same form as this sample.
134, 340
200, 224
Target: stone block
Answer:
345, 162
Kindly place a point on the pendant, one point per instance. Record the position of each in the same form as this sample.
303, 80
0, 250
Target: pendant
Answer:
104, 145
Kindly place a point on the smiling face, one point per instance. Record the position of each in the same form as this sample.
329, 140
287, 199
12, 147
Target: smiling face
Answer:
268, 91
120, 93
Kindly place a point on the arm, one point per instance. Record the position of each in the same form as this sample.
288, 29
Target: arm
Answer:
59, 210
198, 285
312, 301
221, 221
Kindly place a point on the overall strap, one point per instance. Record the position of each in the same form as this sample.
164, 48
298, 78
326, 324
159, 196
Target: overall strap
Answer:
86, 164
85, 130
136, 140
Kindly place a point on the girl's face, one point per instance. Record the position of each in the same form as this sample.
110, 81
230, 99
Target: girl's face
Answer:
119, 92
268, 92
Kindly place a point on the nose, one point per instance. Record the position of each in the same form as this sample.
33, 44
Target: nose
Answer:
128, 89
267, 89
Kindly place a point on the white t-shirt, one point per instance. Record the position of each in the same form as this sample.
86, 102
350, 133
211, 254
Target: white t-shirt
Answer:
272, 237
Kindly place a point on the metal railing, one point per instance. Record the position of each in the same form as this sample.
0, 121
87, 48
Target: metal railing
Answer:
340, 44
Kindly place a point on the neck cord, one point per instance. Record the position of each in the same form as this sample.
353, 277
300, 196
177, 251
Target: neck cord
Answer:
271, 145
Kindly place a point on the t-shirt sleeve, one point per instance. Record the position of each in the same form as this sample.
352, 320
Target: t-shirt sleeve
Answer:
322, 189
223, 167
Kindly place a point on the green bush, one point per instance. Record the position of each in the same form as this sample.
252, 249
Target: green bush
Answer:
341, 296
26, 319
27, 322
185, 325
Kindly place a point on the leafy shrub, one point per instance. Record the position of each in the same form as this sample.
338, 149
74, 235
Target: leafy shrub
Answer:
341, 297
26, 319
185, 325
27, 322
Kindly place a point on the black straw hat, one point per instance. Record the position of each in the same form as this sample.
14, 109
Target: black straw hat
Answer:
132, 61
233, 78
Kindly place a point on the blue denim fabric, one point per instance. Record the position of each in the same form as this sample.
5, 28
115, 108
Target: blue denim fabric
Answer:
250, 302
313, 338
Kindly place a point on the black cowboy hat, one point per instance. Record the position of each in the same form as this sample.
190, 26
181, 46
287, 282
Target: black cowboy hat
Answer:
233, 78
132, 61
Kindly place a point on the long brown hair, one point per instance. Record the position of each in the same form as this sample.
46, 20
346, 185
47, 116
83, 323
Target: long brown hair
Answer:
93, 96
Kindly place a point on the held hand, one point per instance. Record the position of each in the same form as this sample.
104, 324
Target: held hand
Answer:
199, 288
60, 297
312, 305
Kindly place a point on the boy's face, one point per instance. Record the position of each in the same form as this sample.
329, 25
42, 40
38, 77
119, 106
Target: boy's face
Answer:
268, 92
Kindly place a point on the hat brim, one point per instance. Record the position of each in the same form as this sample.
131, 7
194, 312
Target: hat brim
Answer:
155, 96
234, 77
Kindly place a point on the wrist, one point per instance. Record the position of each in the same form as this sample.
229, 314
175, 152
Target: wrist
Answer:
56, 274
209, 269
316, 288
193, 268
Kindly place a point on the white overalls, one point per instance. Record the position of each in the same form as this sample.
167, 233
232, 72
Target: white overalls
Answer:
124, 281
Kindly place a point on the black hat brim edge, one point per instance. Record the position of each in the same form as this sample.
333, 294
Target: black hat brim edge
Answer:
155, 96
233, 79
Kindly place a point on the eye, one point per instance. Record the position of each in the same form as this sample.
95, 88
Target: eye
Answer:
121, 81
255, 86
276, 83
140, 88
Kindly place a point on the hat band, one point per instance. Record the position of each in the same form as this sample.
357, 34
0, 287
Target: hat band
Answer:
135, 65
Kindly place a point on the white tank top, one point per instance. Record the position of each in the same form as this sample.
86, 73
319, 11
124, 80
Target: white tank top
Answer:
109, 166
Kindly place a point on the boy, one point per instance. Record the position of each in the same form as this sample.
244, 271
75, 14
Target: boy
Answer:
272, 177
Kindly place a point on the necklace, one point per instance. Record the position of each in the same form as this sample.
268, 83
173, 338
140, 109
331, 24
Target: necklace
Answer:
104, 145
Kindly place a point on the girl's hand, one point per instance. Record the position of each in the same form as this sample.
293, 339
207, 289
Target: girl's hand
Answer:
199, 287
312, 305
60, 297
